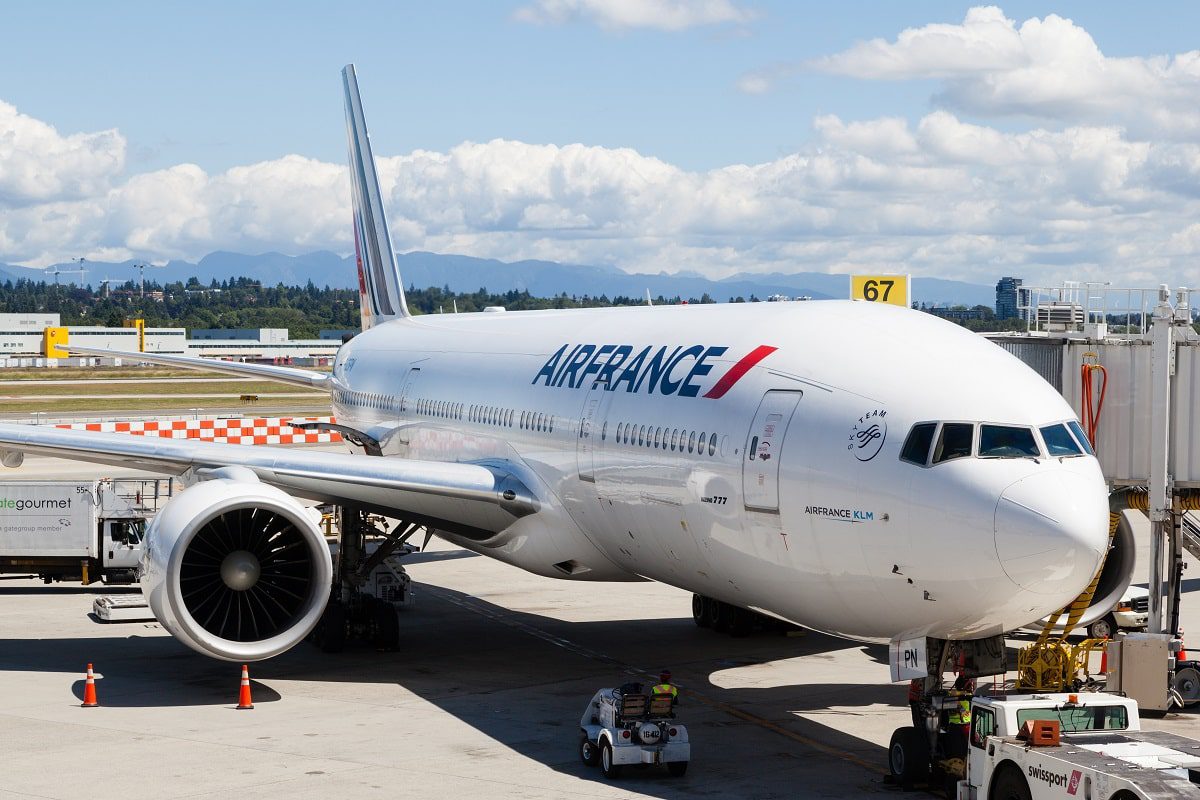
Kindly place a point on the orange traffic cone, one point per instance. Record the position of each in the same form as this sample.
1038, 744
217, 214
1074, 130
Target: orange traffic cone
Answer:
1104, 659
244, 701
89, 690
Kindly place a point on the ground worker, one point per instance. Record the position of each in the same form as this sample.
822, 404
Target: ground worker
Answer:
958, 718
665, 687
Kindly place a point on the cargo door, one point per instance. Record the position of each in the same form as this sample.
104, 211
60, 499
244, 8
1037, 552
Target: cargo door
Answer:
760, 461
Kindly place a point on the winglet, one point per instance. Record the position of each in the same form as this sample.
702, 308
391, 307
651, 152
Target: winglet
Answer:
380, 288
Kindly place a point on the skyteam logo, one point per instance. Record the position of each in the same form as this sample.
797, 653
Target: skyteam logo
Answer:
680, 370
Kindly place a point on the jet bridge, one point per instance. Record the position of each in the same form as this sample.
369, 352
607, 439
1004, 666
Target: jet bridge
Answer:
1128, 361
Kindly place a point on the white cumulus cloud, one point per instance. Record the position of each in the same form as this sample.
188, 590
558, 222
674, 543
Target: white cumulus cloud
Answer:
37, 163
666, 15
1046, 68
937, 196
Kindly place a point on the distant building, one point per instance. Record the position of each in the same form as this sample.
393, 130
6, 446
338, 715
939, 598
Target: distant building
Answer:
960, 313
23, 343
1009, 298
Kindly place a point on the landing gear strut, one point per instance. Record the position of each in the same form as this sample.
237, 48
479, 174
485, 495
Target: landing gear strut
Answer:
370, 586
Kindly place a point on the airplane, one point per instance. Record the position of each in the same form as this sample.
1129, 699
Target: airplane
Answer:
859, 469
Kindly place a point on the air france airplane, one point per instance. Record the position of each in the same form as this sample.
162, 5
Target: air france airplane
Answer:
863, 470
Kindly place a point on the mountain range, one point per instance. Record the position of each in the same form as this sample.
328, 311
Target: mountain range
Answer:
468, 274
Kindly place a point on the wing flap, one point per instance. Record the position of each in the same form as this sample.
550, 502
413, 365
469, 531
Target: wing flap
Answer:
473, 498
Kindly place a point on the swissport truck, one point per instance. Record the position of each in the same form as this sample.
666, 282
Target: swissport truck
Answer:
1088, 746
85, 530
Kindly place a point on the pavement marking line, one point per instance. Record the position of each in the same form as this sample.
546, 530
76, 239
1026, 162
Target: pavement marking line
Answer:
630, 669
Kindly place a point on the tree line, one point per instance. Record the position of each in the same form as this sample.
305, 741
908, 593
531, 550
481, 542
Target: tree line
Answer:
244, 303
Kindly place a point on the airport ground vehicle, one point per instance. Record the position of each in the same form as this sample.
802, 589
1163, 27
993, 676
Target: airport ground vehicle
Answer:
1029, 747
86, 530
624, 727
1129, 613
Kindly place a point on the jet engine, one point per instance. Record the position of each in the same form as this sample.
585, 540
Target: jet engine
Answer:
1115, 575
236, 569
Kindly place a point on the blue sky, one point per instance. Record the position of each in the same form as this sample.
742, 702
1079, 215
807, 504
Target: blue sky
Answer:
753, 137
227, 83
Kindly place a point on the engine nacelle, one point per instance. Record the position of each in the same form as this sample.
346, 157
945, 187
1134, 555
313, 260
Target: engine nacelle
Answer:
236, 569
1115, 577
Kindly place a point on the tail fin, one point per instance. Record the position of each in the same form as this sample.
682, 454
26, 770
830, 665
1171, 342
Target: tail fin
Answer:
380, 288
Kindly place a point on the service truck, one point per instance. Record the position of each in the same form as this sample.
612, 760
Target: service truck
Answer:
84, 530
1088, 746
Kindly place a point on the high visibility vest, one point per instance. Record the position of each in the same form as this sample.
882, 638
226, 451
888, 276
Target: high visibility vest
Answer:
961, 714
665, 688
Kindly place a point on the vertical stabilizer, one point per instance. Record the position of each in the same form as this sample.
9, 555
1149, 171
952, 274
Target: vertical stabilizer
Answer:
380, 288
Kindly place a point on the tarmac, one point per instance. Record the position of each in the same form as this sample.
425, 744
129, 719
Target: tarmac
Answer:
482, 699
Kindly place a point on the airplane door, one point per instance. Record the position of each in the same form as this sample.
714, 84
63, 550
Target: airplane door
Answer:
408, 391
760, 463
591, 429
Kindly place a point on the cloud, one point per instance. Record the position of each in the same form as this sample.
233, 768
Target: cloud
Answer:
939, 196
666, 15
1045, 68
36, 163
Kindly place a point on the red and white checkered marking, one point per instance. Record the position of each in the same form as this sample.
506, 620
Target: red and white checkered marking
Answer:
262, 430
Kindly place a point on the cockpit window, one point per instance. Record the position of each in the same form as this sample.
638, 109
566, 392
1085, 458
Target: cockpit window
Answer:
916, 446
1081, 437
1007, 441
1059, 441
954, 442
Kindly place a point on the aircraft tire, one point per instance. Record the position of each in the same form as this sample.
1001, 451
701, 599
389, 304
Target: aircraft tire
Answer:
741, 622
908, 757
700, 611
387, 626
330, 633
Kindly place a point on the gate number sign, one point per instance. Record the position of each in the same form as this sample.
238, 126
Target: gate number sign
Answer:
893, 289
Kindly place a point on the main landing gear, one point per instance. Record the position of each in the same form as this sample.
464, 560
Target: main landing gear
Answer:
726, 618
370, 585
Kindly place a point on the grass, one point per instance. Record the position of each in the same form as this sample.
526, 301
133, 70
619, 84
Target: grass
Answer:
104, 373
288, 405
140, 391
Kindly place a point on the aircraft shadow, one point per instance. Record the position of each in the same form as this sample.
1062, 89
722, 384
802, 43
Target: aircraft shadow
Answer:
523, 679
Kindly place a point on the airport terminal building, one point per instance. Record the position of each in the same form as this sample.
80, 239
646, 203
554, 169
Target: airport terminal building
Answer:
32, 340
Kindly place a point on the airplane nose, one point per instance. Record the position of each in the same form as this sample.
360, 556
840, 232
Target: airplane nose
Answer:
1050, 531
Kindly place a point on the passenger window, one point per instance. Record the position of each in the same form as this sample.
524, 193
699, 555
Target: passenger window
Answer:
1059, 441
674, 439
1007, 441
657, 438
954, 442
691, 441
712, 444
1081, 437
700, 445
916, 446
642, 436
604, 431
620, 427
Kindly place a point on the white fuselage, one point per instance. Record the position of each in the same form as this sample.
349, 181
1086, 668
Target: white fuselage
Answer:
750, 453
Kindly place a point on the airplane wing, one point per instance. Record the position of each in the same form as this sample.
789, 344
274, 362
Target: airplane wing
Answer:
292, 375
476, 500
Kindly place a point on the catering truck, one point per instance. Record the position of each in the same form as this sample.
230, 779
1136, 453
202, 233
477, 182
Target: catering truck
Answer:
84, 530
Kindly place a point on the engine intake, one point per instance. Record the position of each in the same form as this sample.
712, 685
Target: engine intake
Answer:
236, 569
